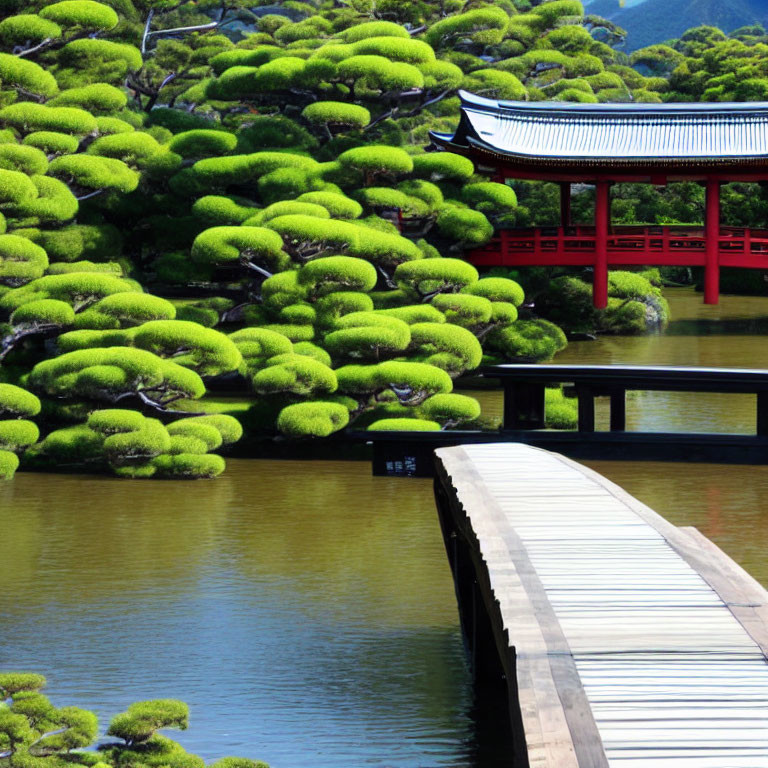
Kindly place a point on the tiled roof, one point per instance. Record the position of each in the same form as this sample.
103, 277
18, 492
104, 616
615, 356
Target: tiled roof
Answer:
610, 133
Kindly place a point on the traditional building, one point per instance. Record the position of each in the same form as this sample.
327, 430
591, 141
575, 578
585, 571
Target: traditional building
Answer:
603, 144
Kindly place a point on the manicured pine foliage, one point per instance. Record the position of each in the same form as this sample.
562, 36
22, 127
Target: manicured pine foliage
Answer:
635, 304
187, 201
35, 732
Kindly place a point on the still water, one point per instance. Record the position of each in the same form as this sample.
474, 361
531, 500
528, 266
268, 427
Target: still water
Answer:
729, 504
731, 334
305, 611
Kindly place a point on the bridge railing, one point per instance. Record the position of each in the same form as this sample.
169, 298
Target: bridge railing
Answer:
524, 417
524, 387
575, 246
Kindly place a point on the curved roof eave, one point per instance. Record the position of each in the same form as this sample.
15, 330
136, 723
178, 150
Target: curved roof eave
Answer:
561, 133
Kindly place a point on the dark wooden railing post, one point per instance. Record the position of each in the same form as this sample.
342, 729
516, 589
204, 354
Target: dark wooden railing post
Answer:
523, 405
618, 410
586, 408
762, 414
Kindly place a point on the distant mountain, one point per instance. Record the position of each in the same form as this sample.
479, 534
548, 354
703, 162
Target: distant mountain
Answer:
617, 3
653, 21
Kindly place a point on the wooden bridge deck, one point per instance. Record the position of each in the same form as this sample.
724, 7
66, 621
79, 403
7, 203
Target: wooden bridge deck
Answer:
625, 641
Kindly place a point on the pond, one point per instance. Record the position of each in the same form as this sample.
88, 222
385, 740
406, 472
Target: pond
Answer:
305, 610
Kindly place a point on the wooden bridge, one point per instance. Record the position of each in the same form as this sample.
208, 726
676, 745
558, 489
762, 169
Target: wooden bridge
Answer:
622, 640
524, 418
680, 246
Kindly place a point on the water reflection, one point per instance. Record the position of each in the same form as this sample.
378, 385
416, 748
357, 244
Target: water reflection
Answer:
729, 334
728, 504
305, 611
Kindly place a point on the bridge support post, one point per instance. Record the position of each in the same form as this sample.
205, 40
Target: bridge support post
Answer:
762, 414
565, 204
586, 406
523, 405
602, 224
712, 227
618, 410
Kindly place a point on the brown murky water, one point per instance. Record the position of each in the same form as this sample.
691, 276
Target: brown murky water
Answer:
305, 610
728, 503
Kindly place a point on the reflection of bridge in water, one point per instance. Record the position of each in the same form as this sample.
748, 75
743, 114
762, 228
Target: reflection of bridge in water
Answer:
605, 144
621, 639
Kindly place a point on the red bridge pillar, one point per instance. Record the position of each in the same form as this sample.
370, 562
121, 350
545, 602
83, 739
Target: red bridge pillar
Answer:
712, 230
565, 204
602, 225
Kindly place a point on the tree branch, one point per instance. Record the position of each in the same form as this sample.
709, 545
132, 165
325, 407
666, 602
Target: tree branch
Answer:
256, 268
158, 406
182, 30
395, 110
10, 341
427, 103
45, 736
150, 16
29, 52
96, 193
384, 116
234, 314
390, 283
52, 42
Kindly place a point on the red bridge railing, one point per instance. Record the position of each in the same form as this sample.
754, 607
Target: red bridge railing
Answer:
627, 246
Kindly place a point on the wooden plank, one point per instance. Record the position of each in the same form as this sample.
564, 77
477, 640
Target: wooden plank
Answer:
633, 640
744, 596
568, 728
547, 737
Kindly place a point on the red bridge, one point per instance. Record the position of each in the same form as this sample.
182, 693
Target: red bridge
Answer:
603, 144
683, 246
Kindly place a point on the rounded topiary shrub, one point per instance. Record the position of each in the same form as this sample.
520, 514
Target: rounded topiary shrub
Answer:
188, 466
317, 419
404, 425
9, 463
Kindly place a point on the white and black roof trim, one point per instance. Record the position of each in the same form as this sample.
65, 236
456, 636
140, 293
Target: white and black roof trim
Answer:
604, 134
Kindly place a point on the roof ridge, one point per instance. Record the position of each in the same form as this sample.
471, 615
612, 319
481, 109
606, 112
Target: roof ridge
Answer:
562, 133
480, 103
